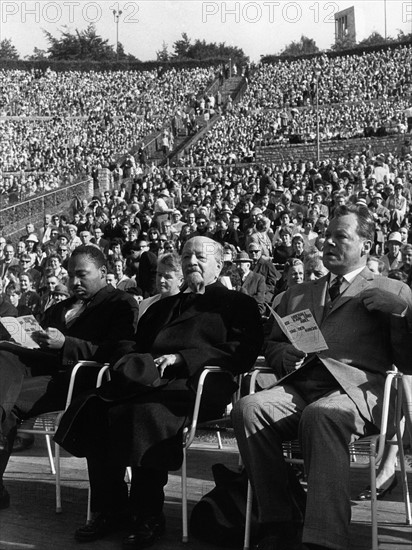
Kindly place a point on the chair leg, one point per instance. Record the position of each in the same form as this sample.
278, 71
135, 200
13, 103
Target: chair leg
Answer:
374, 500
50, 454
89, 511
219, 440
58, 480
248, 519
185, 530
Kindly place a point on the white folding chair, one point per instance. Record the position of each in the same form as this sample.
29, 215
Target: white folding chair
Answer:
371, 447
188, 437
47, 424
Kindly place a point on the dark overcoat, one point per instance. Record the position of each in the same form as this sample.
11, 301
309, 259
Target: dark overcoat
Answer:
219, 328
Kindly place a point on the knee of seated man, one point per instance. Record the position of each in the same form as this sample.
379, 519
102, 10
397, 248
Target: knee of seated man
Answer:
323, 412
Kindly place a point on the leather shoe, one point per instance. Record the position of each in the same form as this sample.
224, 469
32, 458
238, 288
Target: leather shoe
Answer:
101, 524
22, 443
4, 443
4, 498
380, 492
145, 533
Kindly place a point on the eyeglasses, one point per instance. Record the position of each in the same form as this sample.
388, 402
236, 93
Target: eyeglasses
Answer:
253, 251
25, 261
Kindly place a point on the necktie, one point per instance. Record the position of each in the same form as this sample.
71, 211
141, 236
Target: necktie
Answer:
334, 289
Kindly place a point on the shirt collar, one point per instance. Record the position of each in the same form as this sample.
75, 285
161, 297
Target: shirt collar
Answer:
348, 277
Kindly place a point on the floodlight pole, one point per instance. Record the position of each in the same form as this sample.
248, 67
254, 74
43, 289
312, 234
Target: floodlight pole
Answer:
317, 74
117, 14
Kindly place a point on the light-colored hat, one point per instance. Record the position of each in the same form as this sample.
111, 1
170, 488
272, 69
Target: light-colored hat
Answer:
243, 257
395, 237
33, 238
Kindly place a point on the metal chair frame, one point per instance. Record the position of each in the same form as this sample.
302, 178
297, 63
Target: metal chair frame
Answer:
46, 424
189, 434
371, 447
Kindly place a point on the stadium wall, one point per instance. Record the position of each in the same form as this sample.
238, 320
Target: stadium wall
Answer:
329, 149
14, 218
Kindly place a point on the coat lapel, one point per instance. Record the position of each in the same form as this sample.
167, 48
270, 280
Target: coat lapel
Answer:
360, 283
319, 294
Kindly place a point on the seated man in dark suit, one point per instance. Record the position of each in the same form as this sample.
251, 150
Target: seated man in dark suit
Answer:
179, 335
330, 398
86, 326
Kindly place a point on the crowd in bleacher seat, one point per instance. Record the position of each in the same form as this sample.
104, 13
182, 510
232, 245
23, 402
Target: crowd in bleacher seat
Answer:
370, 76
108, 93
275, 213
94, 118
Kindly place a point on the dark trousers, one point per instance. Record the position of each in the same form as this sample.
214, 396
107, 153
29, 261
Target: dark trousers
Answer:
23, 394
109, 489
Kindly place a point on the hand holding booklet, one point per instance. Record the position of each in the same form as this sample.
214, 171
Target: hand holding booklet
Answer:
20, 330
302, 331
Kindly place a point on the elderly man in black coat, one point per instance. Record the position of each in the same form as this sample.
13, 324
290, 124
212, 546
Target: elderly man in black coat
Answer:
180, 335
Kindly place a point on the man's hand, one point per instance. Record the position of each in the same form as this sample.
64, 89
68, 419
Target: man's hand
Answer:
50, 338
292, 358
375, 299
165, 361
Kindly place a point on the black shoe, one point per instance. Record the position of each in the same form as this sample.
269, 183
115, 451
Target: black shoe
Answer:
101, 524
22, 443
4, 498
145, 533
280, 536
4, 443
380, 493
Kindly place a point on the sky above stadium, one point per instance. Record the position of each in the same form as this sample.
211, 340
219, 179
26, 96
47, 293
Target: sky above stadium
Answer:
259, 27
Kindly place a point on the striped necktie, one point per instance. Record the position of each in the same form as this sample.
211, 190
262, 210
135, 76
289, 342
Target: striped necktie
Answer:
334, 288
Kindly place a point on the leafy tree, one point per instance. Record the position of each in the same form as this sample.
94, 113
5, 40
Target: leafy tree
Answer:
202, 50
7, 50
374, 39
345, 43
82, 45
181, 47
37, 55
304, 46
163, 54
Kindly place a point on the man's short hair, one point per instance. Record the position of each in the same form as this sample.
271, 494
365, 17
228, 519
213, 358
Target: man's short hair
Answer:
93, 253
366, 224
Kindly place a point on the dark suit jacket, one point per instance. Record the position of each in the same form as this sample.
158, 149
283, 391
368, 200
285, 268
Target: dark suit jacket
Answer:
271, 276
254, 286
110, 316
362, 345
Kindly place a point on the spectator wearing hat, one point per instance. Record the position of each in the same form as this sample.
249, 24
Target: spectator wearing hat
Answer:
253, 284
31, 242
393, 258
177, 222
264, 267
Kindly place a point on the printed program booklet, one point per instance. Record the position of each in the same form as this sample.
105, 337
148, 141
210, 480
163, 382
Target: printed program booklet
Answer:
19, 330
302, 331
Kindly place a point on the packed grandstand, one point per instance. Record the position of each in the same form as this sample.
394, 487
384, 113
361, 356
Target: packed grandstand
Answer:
175, 152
